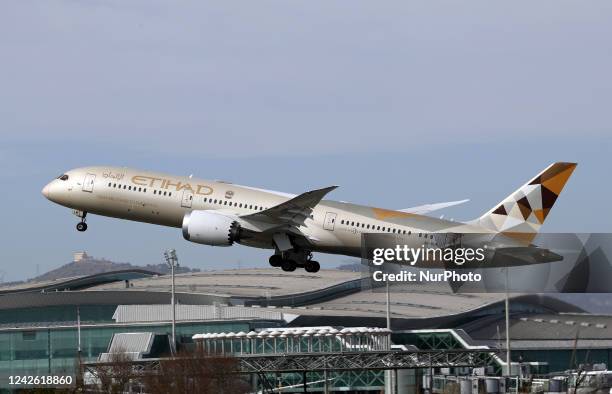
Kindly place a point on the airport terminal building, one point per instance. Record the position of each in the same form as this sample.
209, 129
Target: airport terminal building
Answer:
50, 327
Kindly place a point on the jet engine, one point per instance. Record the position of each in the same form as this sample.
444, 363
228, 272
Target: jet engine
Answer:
210, 228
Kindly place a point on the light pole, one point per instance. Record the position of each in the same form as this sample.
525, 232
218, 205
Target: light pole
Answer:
507, 307
172, 261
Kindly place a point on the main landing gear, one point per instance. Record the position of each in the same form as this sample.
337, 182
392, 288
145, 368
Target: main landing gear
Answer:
82, 226
290, 260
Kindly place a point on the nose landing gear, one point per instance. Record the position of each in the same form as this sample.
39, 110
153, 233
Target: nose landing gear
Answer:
82, 226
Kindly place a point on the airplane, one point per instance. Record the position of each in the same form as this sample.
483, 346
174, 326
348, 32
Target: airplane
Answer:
219, 213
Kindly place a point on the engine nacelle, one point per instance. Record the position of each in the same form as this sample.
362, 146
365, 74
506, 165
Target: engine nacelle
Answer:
210, 228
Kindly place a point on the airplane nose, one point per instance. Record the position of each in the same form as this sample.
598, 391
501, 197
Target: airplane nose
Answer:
45, 191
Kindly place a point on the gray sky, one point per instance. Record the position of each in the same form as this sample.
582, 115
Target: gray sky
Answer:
400, 103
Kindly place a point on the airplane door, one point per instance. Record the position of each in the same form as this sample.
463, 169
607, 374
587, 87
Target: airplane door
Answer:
187, 198
88, 183
330, 221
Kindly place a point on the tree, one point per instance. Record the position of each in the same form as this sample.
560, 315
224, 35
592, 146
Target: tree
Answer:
196, 372
187, 372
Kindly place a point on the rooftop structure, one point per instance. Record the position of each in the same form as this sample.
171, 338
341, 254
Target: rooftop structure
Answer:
80, 256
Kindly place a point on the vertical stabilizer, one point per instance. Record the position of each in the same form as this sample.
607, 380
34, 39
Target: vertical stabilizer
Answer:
523, 212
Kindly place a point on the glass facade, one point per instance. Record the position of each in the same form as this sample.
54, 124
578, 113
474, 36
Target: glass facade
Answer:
53, 350
47, 314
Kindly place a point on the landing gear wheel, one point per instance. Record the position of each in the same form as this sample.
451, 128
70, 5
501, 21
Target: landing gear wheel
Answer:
312, 266
288, 265
82, 226
276, 260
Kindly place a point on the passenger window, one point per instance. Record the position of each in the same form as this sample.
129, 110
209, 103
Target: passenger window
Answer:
109, 184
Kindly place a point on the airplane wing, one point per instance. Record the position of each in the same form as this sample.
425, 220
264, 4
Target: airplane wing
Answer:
292, 212
423, 209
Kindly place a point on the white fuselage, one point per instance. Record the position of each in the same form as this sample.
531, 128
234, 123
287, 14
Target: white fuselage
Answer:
151, 197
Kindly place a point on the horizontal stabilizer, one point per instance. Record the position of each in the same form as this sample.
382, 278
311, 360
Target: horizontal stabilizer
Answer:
423, 209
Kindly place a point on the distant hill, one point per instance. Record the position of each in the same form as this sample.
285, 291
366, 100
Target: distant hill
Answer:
92, 266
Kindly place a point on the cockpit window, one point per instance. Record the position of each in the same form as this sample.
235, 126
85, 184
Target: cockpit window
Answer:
63, 177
